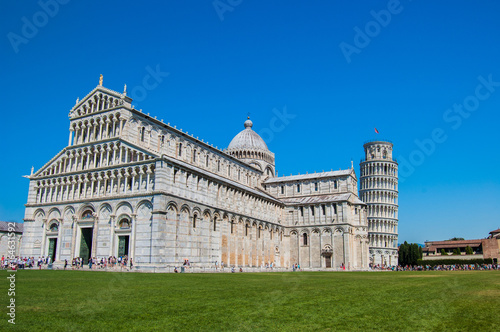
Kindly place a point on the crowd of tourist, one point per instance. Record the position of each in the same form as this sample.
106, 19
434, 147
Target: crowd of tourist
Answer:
95, 264
24, 262
454, 267
125, 263
111, 262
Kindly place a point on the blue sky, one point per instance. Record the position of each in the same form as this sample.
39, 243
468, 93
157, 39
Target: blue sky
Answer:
402, 74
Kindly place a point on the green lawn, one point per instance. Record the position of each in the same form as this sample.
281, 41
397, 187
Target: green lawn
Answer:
408, 301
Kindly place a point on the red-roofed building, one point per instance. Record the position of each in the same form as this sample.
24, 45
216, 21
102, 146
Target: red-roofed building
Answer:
482, 248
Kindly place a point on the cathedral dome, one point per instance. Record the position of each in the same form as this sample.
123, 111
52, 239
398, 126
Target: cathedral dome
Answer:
247, 139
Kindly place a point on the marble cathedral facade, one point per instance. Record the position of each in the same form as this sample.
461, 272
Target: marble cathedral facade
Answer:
129, 184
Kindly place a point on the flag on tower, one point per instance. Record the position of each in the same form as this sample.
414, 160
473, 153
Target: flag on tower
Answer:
376, 130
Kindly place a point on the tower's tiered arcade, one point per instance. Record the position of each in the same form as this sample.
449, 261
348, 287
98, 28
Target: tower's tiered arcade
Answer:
379, 189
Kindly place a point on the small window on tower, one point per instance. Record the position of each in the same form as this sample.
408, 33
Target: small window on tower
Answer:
298, 188
282, 190
316, 186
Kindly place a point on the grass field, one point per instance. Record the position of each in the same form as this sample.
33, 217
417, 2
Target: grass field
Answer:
402, 301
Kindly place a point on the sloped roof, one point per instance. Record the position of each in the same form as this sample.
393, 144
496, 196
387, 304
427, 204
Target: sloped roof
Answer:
301, 177
219, 178
316, 199
120, 140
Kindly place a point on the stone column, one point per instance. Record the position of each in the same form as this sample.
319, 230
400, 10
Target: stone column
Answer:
85, 186
71, 157
121, 155
71, 192
99, 178
51, 191
112, 235
148, 177
70, 141
132, 244
113, 161
74, 227
102, 127
87, 127
88, 160
95, 231
44, 236
141, 172
107, 155
65, 163
107, 127
347, 240
119, 183
110, 180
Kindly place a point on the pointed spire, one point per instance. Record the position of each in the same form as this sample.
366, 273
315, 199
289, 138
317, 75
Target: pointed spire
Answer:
100, 80
125, 90
77, 100
32, 169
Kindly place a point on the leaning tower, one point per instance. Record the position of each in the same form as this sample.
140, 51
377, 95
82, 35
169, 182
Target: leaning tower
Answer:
379, 190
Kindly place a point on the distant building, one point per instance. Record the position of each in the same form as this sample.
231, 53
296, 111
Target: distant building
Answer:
482, 248
10, 227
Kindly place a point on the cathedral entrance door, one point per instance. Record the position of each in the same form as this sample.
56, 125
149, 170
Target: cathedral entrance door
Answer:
86, 244
52, 249
123, 245
328, 261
